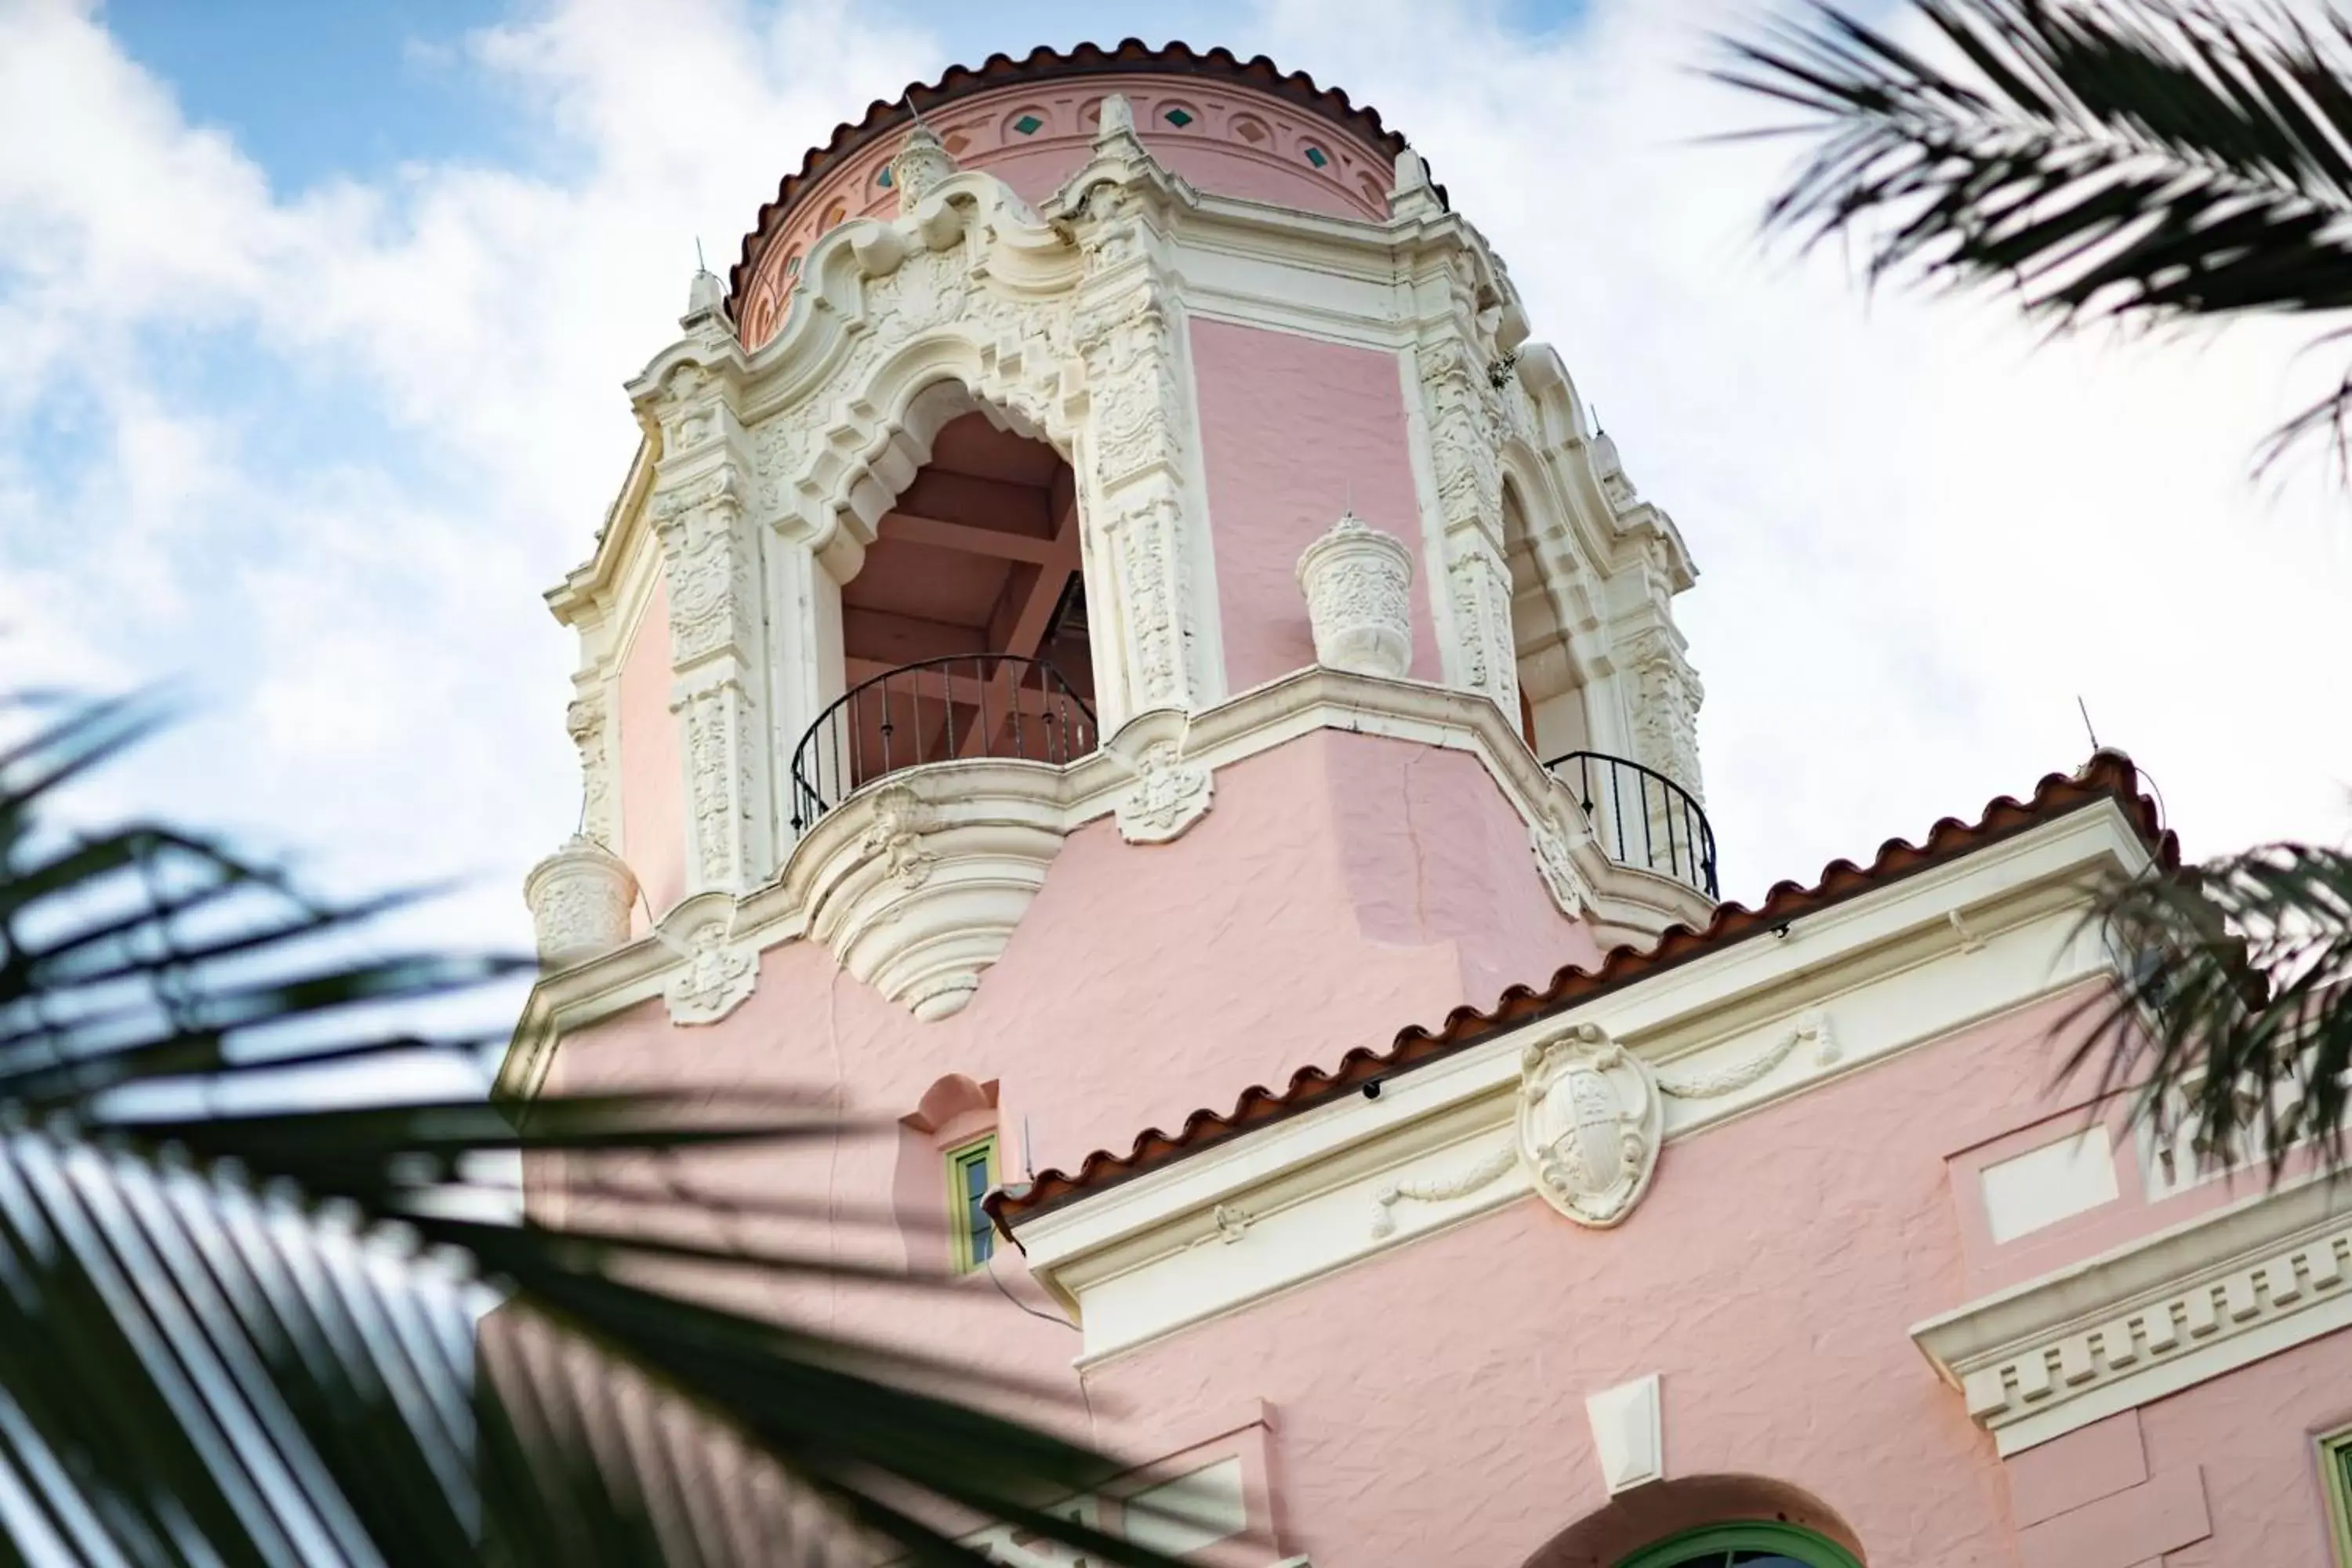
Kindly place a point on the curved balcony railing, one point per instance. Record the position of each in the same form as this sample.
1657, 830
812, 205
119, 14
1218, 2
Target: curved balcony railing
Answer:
935, 711
1641, 818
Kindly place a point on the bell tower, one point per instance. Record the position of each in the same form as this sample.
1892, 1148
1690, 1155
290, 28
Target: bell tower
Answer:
1110, 577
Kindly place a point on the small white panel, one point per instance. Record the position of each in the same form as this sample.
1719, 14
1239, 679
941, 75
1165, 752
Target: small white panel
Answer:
2045, 1185
1628, 1434
1192, 1511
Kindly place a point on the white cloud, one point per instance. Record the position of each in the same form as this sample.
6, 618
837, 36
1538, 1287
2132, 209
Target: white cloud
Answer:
422, 420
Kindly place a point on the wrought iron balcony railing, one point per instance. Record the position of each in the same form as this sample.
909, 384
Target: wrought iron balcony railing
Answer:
1641, 818
935, 711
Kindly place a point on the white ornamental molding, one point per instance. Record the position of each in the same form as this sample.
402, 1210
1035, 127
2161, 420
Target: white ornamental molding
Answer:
579, 897
707, 565
916, 897
1667, 695
969, 287
1136, 402
1466, 432
1812, 1027
1628, 1434
1358, 586
1479, 587
587, 721
1554, 847
918, 168
2186, 1305
1485, 1172
1149, 548
1169, 796
720, 742
719, 972
1590, 1122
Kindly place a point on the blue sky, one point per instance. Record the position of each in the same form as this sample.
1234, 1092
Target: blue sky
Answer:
313, 321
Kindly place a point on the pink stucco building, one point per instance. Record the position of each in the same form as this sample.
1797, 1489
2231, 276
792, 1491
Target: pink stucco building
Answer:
1122, 657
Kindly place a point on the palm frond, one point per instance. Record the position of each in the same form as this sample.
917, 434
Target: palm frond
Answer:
239, 1288
2235, 1016
2150, 164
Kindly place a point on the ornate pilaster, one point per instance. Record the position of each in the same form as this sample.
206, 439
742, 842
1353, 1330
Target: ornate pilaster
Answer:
710, 558
1666, 697
1137, 460
1466, 417
589, 722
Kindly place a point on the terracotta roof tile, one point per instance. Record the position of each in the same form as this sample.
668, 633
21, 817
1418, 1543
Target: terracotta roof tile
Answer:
2109, 775
1043, 64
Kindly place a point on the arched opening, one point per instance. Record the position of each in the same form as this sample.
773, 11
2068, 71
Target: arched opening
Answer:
1706, 1521
1553, 718
1639, 817
1747, 1546
964, 632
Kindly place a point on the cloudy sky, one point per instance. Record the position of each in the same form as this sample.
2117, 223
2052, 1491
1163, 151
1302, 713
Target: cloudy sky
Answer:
313, 321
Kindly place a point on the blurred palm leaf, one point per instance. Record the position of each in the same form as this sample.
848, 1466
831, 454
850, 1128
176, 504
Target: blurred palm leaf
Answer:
2236, 1016
239, 1297
2148, 164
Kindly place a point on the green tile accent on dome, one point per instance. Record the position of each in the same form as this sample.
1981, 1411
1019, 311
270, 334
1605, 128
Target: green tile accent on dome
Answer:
1177, 118
1317, 156
882, 179
1028, 125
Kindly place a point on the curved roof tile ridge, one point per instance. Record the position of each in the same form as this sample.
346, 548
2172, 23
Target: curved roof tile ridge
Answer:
1045, 63
2109, 775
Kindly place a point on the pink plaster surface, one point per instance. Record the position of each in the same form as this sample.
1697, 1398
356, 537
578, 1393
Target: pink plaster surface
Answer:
2253, 1434
2085, 1465
1295, 431
2131, 1214
1431, 1400
1342, 885
653, 777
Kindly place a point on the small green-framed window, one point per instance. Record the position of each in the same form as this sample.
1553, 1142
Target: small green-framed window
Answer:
972, 1174
1755, 1545
2336, 1480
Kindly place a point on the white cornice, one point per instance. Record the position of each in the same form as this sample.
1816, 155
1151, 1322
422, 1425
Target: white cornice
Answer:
2151, 1318
1627, 902
1732, 1031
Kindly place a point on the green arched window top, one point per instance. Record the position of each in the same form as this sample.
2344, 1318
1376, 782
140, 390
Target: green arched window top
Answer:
1744, 1546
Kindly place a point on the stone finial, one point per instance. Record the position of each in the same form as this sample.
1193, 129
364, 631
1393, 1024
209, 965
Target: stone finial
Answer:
919, 166
1358, 582
1118, 118
706, 298
579, 897
1413, 195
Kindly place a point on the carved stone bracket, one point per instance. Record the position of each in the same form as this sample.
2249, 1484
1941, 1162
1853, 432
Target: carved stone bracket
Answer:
719, 973
915, 897
1169, 796
1554, 849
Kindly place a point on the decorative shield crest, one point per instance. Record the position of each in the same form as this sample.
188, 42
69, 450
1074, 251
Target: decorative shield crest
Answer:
1588, 1125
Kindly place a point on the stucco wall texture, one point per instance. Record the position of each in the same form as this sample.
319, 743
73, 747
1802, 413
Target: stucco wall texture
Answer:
1295, 431
1426, 1406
